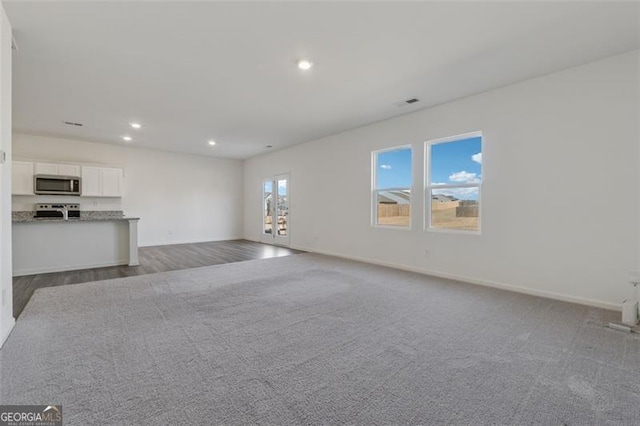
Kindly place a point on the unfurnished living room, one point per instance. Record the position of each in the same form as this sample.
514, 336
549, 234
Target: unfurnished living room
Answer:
319, 213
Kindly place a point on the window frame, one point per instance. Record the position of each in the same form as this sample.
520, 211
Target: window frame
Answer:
428, 188
375, 190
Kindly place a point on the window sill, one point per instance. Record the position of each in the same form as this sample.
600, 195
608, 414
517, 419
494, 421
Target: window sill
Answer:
399, 227
453, 231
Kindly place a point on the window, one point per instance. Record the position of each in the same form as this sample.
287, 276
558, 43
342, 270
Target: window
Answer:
282, 208
453, 182
392, 177
267, 207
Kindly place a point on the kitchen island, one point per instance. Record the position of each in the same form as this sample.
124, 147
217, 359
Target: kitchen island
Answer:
95, 239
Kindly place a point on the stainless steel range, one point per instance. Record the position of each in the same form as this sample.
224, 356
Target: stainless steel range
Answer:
57, 211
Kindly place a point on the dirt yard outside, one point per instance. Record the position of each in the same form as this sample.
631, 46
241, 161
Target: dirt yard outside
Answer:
446, 219
441, 219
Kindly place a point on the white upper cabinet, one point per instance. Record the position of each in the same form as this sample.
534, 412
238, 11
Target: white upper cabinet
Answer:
111, 182
46, 169
21, 178
57, 169
68, 170
91, 186
101, 181
96, 181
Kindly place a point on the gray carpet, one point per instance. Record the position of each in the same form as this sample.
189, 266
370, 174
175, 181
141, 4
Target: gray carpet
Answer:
309, 339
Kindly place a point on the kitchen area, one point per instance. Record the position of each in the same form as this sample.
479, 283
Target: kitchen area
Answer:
67, 217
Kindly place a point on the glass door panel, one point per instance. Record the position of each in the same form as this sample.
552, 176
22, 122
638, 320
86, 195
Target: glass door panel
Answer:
283, 207
267, 207
275, 210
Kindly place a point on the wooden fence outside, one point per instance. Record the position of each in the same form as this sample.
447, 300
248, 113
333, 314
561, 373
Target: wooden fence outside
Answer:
462, 210
393, 210
444, 205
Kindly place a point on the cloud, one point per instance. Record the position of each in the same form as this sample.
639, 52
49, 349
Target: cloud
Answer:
460, 193
385, 166
477, 158
464, 177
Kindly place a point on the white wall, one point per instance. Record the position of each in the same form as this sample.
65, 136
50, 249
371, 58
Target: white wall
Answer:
179, 198
6, 284
560, 194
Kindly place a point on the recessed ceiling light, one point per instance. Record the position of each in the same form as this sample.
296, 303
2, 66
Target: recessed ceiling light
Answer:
304, 64
127, 138
212, 143
136, 125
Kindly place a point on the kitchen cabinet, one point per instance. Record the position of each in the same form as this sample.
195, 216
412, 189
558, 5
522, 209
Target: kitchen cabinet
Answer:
68, 170
118, 245
101, 181
91, 182
46, 169
96, 181
111, 182
21, 178
57, 169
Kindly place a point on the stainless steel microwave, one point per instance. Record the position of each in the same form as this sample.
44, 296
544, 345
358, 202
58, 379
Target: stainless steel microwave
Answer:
57, 185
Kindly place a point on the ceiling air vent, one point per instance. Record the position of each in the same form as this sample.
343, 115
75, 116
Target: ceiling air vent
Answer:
406, 102
71, 123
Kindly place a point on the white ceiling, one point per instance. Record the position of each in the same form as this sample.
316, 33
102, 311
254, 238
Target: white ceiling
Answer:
192, 71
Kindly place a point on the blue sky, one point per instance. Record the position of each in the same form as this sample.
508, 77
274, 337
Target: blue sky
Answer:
456, 162
452, 162
282, 187
394, 169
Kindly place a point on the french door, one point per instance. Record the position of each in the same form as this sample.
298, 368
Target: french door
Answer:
275, 210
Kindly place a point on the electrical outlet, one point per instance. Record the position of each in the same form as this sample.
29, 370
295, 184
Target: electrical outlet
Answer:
426, 253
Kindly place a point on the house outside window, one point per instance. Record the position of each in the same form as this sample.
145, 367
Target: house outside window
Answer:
391, 181
453, 179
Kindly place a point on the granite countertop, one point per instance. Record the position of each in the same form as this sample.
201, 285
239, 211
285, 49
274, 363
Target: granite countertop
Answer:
85, 216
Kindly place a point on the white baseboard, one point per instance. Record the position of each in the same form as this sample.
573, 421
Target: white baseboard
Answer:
7, 330
63, 268
486, 283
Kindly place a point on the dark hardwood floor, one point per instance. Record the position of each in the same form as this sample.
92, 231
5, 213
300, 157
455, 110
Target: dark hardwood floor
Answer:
152, 259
